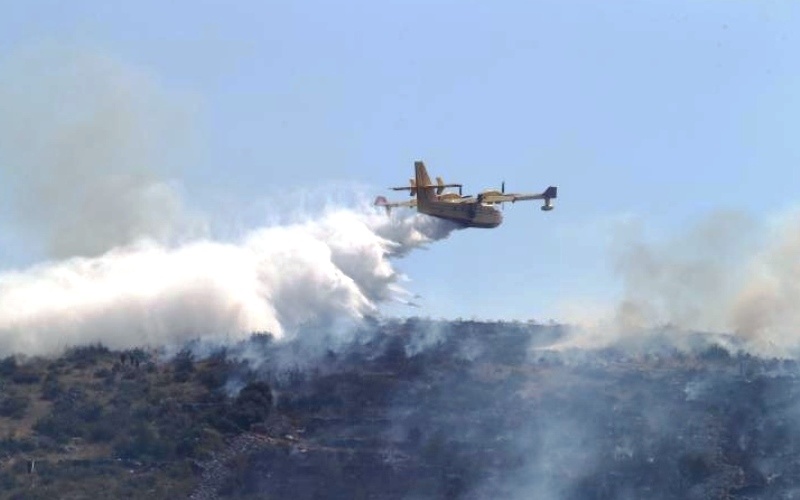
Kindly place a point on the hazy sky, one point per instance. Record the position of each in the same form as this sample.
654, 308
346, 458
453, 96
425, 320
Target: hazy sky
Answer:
649, 113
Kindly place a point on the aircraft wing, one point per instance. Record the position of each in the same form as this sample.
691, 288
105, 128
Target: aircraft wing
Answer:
547, 195
381, 201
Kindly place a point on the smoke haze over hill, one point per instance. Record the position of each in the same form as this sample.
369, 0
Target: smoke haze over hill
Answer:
727, 273
90, 150
472, 410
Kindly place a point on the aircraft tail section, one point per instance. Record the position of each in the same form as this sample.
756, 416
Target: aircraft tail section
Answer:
424, 194
548, 195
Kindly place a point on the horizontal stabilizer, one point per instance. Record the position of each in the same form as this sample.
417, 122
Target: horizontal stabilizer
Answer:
381, 201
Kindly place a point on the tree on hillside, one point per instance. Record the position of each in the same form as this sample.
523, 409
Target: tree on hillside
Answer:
253, 404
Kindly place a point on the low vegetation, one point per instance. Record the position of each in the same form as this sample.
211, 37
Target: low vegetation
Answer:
410, 409
124, 423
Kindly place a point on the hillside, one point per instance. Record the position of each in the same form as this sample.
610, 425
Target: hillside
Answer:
400, 409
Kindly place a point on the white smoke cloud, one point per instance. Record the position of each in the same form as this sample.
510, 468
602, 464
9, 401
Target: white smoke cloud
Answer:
275, 279
86, 144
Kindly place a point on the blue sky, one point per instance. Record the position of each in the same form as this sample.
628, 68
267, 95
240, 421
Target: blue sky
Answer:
655, 111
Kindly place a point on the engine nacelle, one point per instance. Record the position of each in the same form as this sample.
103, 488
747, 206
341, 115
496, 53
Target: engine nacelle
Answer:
548, 205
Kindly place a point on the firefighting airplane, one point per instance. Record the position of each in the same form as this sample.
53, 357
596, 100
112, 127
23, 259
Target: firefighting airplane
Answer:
469, 211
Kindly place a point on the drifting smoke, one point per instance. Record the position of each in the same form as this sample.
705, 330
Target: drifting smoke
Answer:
765, 308
728, 273
85, 146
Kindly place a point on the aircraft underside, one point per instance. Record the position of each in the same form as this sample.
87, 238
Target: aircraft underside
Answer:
468, 214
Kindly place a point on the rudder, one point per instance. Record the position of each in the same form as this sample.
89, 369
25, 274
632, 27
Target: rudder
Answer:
424, 195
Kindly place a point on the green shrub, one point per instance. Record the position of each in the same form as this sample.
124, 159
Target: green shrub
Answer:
51, 387
143, 442
14, 405
183, 365
252, 405
87, 354
8, 366
26, 375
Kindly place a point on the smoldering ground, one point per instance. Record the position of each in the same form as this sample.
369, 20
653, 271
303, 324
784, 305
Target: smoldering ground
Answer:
674, 397
463, 409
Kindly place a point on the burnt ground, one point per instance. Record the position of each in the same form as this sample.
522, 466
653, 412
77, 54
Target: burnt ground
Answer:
483, 410
410, 409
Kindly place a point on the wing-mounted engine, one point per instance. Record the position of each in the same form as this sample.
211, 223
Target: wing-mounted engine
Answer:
450, 197
440, 186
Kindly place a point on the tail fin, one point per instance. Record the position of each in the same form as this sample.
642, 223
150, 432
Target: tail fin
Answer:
424, 194
548, 195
